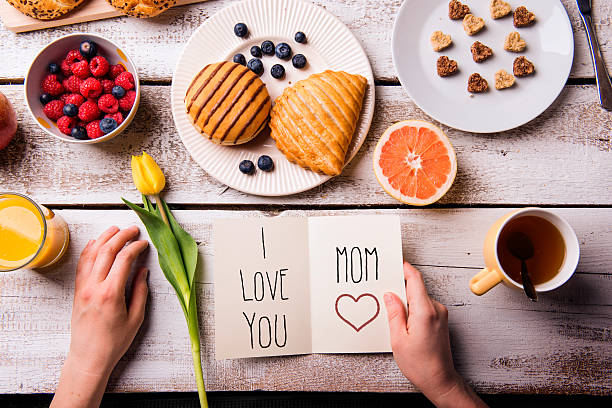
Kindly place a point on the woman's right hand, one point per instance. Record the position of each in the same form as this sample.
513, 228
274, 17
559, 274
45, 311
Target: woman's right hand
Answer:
421, 346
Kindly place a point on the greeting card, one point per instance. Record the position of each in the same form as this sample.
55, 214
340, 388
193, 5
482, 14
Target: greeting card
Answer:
304, 285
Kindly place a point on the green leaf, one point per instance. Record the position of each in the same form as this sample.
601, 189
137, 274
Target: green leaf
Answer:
168, 252
189, 248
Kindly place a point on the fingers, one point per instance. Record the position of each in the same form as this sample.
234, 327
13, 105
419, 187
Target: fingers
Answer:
87, 257
89, 254
416, 294
109, 250
396, 314
122, 265
138, 300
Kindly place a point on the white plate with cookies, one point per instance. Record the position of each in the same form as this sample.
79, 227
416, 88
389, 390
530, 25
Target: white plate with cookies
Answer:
439, 86
330, 46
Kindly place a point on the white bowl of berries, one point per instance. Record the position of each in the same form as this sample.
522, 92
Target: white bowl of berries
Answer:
82, 88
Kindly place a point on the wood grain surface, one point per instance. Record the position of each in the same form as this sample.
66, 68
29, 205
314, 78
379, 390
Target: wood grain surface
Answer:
562, 157
155, 44
502, 342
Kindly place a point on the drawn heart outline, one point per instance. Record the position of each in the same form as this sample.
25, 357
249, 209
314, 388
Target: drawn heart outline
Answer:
357, 329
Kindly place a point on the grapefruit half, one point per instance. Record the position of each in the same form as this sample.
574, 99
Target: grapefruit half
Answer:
415, 162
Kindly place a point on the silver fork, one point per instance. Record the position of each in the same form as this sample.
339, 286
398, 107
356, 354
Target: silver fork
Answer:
604, 85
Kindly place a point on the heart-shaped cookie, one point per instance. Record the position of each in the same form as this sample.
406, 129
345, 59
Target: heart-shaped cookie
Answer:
503, 79
447, 66
514, 42
523, 67
440, 41
480, 52
499, 9
523, 17
457, 10
477, 84
473, 24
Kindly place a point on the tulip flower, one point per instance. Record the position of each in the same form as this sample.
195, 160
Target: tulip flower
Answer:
148, 177
177, 251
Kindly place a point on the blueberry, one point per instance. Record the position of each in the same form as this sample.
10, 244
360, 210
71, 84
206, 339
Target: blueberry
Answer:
256, 66
300, 37
71, 110
247, 167
239, 59
45, 98
118, 92
265, 163
79, 132
241, 30
53, 68
267, 47
256, 51
299, 61
277, 71
283, 51
107, 125
88, 49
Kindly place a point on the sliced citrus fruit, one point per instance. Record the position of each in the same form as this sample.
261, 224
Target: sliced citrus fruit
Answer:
415, 162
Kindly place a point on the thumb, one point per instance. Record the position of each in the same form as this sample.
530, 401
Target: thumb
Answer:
140, 290
396, 313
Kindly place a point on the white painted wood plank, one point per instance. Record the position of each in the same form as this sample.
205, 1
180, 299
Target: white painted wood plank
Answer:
155, 44
502, 342
562, 157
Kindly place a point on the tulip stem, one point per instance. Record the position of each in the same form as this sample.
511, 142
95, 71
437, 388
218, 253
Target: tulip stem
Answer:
162, 211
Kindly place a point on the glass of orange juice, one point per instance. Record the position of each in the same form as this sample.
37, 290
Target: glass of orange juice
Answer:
31, 235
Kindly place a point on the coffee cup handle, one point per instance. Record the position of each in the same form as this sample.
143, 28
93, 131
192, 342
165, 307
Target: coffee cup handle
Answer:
484, 281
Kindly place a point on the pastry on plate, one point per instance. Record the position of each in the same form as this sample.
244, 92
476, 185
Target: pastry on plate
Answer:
228, 103
45, 9
314, 120
142, 8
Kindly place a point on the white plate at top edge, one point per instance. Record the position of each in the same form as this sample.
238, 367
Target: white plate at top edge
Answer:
330, 45
550, 46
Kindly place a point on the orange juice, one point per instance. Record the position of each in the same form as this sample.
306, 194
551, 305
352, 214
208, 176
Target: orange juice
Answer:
30, 235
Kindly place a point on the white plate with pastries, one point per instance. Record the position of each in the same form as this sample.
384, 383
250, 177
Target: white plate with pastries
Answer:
549, 46
330, 46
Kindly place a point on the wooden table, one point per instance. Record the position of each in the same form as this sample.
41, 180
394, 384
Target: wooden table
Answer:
502, 342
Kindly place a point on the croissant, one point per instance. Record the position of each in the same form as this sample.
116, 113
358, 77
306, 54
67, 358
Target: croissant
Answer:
313, 121
228, 103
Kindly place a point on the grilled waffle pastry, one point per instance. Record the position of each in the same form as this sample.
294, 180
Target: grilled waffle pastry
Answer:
228, 103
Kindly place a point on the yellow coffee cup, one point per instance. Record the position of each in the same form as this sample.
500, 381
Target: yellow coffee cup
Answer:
494, 273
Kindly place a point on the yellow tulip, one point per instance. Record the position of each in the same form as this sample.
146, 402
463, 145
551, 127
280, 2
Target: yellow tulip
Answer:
147, 175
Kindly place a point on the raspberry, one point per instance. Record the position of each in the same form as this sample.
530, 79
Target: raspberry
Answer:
89, 111
73, 84
127, 101
107, 86
115, 70
125, 80
65, 67
75, 99
117, 116
73, 56
99, 66
65, 124
81, 69
52, 85
54, 109
93, 129
91, 88
108, 104
64, 97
